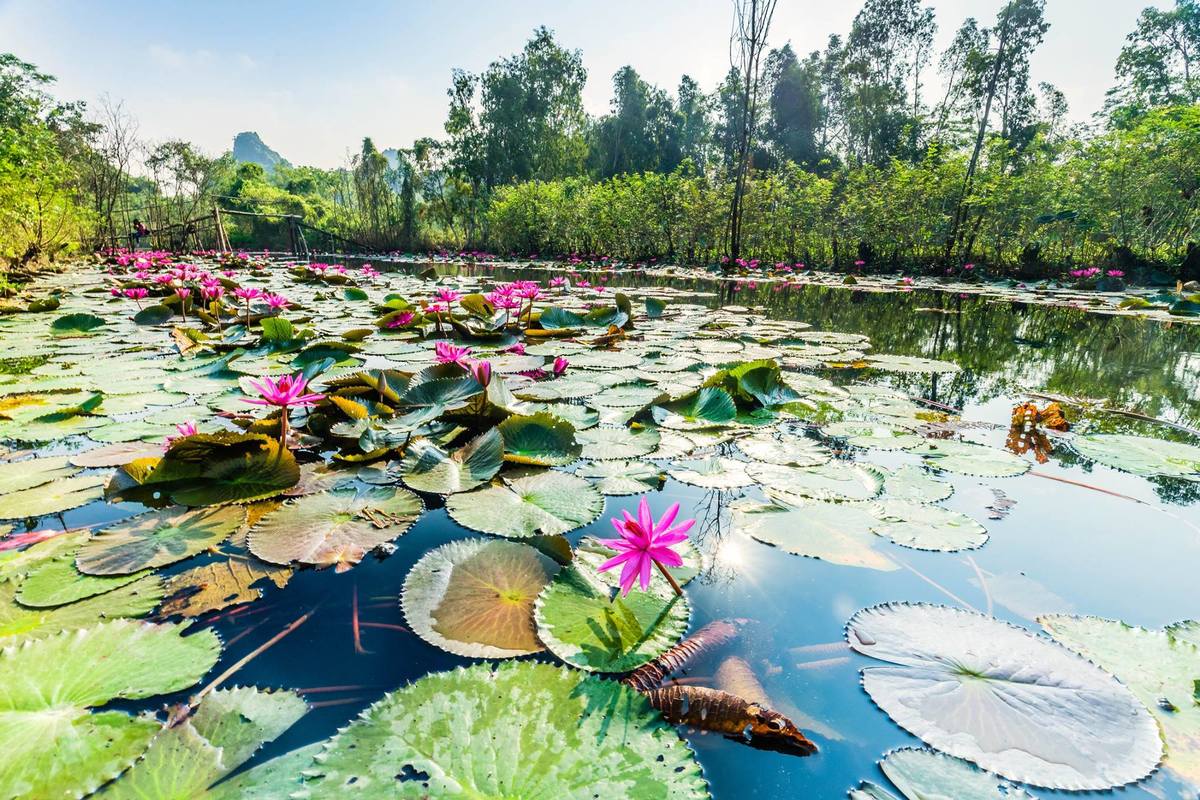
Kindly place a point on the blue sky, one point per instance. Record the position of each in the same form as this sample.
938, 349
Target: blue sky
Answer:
314, 77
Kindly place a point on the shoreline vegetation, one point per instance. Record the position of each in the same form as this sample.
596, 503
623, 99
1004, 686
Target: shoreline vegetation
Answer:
876, 154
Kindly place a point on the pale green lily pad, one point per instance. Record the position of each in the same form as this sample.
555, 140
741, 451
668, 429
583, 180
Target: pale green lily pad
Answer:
20, 623
786, 450
1161, 667
17, 476
1141, 455
115, 455
429, 468
54, 497
833, 532
605, 444
156, 539
581, 417
717, 472
872, 434
224, 732
837, 480
583, 620
474, 597
929, 775
994, 694
622, 477
925, 527
56, 581
967, 458
540, 439
337, 528
528, 503
53, 746
627, 396
895, 363
588, 738
910, 482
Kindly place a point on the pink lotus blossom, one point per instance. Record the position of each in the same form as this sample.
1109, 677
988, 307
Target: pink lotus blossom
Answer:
1115, 273
517, 349
560, 365
481, 371
559, 282
645, 543
968, 267
447, 295
285, 392
451, 354
183, 293
277, 302
247, 293
115, 291
185, 429
860, 263
137, 293
212, 291
402, 319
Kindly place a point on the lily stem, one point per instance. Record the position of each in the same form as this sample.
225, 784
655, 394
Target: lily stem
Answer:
670, 578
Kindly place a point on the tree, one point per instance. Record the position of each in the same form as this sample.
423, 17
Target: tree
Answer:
751, 23
795, 109
1158, 65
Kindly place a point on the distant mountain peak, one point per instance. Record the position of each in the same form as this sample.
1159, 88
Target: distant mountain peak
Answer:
249, 147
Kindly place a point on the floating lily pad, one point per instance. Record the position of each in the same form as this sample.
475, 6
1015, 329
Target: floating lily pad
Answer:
994, 694
894, 363
540, 439
583, 620
338, 527
833, 532
707, 408
587, 737
429, 468
474, 597
1141, 455
786, 450
622, 477
967, 458
604, 443
929, 775
876, 435
55, 747
53, 497
528, 503
56, 581
1161, 667
910, 482
836, 480
17, 476
156, 539
712, 473
19, 623
925, 527
218, 585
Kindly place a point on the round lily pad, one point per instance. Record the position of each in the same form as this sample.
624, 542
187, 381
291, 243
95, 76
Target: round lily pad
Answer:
53, 497
712, 473
605, 443
622, 477
968, 458
474, 597
836, 480
1141, 455
925, 527
910, 482
524, 504
429, 468
587, 737
994, 694
540, 439
156, 539
835, 532
794, 451
583, 619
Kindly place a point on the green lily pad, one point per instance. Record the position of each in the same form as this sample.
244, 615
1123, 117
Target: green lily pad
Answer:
528, 503
606, 443
20, 623
338, 527
55, 747
925, 527
474, 597
429, 468
709, 407
929, 775
622, 477
540, 439
1160, 667
834, 532
1141, 455
871, 434
224, 732
17, 476
967, 458
910, 482
587, 737
712, 473
836, 480
583, 620
77, 323
53, 497
156, 539
786, 450
994, 694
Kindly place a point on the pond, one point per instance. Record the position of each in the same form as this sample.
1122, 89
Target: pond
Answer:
1017, 538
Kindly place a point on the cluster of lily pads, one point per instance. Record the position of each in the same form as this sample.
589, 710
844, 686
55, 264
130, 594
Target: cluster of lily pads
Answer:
521, 407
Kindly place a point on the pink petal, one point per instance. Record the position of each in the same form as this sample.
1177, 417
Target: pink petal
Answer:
665, 522
629, 574
666, 557
619, 559
646, 563
645, 518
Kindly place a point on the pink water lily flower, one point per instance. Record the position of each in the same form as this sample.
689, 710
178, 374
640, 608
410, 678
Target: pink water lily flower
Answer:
402, 319
451, 354
645, 543
560, 366
185, 429
277, 301
285, 392
481, 371
447, 295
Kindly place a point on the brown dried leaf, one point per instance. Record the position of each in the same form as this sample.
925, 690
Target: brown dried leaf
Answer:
219, 585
